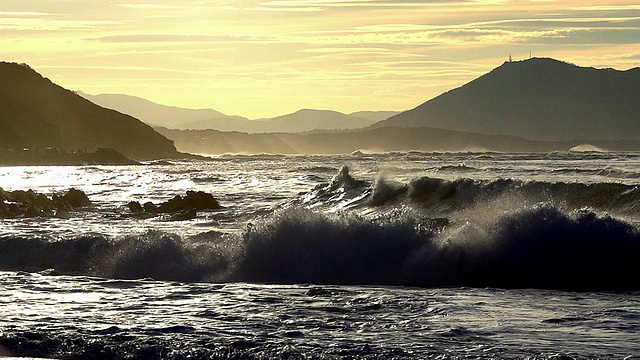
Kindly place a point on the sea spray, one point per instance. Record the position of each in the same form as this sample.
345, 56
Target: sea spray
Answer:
302, 246
537, 246
530, 246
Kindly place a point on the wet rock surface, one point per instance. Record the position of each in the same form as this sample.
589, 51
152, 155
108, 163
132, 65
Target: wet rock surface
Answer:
29, 203
179, 207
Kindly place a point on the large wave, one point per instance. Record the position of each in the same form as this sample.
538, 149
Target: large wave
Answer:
428, 232
538, 246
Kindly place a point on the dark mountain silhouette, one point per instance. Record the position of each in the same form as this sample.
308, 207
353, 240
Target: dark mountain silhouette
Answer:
540, 99
36, 113
374, 140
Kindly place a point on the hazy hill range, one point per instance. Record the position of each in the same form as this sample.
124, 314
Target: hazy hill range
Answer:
539, 98
308, 119
375, 115
373, 140
36, 113
155, 114
200, 119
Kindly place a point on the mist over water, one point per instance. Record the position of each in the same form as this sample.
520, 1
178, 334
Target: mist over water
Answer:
365, 227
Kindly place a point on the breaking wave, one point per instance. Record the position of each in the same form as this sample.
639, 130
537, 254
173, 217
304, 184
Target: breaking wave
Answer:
539, 246
439, 197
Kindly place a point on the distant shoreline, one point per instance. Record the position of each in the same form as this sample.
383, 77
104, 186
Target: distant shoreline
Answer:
390, 139
102, 156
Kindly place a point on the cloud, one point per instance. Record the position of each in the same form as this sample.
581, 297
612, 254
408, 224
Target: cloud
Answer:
178, 38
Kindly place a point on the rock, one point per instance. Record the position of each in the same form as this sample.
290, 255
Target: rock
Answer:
61, 204
184, 215
34, 211
45, 203
76, 198
29, 203
135, 207
180, 208
198, 200
150, 207
14, 210
5, 212
201, 200
3, 195
24, 197
172, 205
62, 214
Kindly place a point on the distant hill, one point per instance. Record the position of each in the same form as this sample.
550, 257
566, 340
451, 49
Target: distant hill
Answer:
36, 113
155, 114
309, 119
375, 115
300, 121
373, 140
201, 119
540, 99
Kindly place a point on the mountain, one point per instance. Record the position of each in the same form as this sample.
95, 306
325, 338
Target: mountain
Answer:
540, 99
375, 115
308, 120
200, 119
300, 121
155, 114
374, 140
36, 113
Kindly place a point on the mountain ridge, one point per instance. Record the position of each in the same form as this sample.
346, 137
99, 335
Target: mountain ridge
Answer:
37, 113
538, 99
158, 115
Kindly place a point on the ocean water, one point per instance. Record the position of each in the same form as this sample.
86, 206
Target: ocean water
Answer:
396, 255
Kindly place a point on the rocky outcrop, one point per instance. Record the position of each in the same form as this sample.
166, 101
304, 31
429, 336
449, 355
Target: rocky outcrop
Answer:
179, 207
21, 203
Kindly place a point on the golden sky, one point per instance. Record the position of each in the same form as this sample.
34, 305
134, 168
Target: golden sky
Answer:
266, 58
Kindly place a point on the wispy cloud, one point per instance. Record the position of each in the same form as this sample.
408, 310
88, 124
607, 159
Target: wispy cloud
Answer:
287, 54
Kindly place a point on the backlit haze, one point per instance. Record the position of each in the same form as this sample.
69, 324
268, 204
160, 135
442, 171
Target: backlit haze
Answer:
267, 58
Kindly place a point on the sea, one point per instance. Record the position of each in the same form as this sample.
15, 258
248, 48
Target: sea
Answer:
412, 255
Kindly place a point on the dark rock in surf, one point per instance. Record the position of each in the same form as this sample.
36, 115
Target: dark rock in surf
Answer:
135, 207
184, 215
179, 207
3, 195
76, 198
197, 200
150, 207
30, 204
200, 200
172, 205
62, 214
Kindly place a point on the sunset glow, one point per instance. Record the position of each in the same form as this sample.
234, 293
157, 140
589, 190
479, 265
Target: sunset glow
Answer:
266, 58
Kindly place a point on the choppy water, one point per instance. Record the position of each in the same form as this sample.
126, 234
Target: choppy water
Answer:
403, 255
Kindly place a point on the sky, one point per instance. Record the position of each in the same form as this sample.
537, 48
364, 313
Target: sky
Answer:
266, 58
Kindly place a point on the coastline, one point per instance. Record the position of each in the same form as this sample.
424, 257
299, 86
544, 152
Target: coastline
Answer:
102, 156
